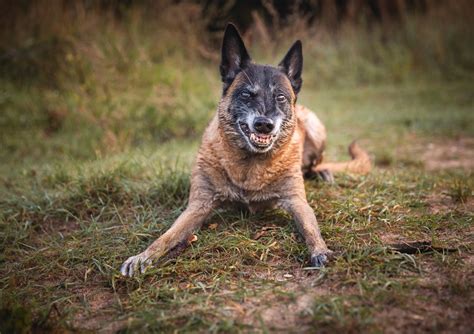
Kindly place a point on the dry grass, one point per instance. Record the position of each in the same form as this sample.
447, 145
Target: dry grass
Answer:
67, 226
99, 124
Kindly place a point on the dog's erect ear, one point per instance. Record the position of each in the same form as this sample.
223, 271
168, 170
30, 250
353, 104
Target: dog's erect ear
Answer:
234, 55
292, 65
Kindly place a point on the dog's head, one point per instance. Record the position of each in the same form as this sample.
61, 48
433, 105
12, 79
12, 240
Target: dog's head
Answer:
257, 110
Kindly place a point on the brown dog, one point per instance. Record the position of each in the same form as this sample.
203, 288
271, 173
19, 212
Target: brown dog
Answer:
255, 151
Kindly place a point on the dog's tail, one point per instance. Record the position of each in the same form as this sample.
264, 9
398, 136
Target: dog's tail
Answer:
360, 163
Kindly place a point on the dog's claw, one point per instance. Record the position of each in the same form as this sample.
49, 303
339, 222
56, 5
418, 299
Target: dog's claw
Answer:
326, 175
318, 260
133, 263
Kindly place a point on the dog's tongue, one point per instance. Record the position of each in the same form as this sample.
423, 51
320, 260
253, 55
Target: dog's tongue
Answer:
260, 139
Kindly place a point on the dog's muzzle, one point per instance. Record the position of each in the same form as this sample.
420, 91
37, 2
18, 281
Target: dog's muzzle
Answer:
261, 134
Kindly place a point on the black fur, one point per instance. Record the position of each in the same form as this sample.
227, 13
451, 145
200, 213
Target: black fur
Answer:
292, 65
234, 56
262, 90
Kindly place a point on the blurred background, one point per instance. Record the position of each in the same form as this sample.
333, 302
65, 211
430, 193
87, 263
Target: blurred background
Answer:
85, 78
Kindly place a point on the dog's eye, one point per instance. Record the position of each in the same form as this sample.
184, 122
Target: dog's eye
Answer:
281, 98
245, 94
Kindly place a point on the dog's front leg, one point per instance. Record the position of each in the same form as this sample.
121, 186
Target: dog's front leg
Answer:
307, 224
189, 221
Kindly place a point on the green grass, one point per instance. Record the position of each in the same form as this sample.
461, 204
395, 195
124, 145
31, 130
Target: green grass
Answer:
67, 225
100, 120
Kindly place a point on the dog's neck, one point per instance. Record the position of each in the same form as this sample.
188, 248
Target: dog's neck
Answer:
253, 171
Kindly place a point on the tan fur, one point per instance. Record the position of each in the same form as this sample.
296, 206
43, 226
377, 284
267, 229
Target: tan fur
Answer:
223, 174
360, 163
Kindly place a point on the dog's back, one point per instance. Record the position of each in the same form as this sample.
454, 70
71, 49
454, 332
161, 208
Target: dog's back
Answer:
314, 145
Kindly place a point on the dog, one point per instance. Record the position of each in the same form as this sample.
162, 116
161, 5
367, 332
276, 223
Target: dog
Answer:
256, 151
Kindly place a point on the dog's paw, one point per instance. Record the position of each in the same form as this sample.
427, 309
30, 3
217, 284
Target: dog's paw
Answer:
135, 263
325, 175
319, 259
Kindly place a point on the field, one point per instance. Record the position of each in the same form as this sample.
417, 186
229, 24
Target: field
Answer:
94, 169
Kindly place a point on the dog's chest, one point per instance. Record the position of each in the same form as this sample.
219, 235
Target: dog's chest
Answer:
232, 193
245, 191
250, 184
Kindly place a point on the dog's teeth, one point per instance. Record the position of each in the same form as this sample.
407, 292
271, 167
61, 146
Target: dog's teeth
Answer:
260, 139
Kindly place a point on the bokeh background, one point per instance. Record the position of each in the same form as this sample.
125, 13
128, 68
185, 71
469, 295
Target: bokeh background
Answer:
102, 106
84, 78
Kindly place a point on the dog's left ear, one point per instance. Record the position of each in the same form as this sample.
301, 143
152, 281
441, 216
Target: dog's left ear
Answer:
292, 65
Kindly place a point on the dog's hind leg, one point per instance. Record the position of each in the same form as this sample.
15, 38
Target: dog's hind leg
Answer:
324, 174
314, 144
189, 221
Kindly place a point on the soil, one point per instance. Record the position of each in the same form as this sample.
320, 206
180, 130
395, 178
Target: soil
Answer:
449, 154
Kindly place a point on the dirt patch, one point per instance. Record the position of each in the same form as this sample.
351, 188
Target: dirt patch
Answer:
392, 238
284, 316
440, 301
287, 308
100, 315
64, 227
435, 302
423, 317
449, 154
441, 203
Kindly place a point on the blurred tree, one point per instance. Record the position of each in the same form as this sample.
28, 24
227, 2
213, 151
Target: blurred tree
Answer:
218, 12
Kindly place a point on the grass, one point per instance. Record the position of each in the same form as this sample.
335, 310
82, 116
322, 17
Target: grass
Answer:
99, 124
67, 226
86, 83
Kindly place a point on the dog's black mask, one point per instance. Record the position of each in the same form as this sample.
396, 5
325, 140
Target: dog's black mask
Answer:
260, 99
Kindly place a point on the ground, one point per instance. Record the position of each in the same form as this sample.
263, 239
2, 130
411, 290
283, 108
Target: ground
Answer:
67, 225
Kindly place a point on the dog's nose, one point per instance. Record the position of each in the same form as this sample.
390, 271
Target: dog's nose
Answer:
263, 125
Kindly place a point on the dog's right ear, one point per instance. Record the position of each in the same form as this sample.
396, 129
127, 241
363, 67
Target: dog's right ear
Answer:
234, 55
